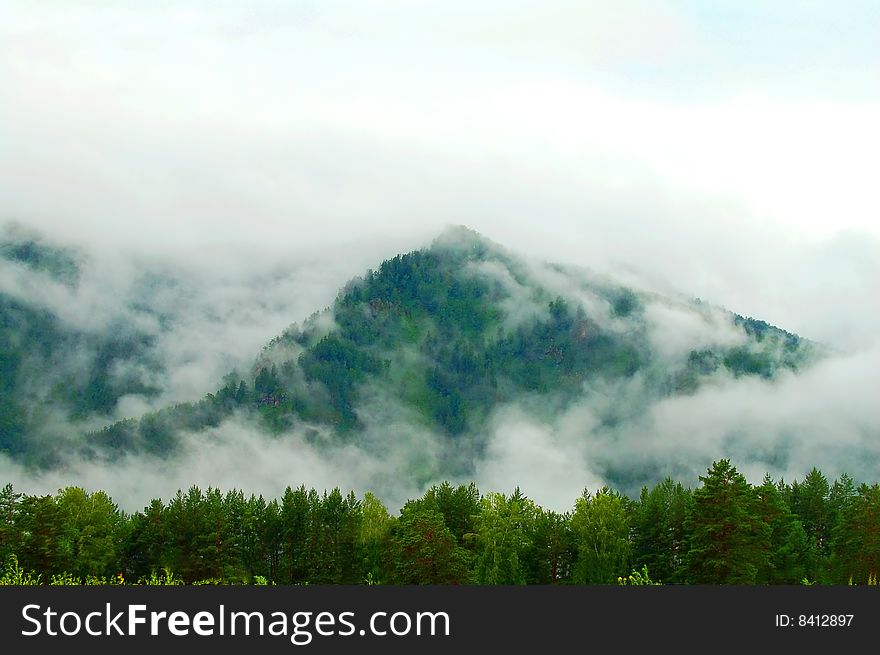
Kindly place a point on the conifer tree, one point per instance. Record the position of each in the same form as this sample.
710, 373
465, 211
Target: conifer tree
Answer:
855, 548
729, 541
792, 555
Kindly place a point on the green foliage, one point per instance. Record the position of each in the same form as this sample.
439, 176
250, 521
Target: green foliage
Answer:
92, 529
639, 578
729, 542
809, 500
15, 575
552, 554
856, 538
659, 534
724, 532
769, 350
601, 531
424, 551
10, 537
339, 365
375, 528
65, 580
792, 555
504, 532
458, 505
164, 578
743, 361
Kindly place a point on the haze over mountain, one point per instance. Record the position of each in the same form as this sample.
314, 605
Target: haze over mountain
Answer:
458, 361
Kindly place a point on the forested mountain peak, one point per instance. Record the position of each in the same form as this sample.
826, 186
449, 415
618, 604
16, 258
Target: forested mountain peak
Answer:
440, 338
437, 342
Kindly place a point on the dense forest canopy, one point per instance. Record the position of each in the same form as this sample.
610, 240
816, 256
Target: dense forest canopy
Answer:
725, 531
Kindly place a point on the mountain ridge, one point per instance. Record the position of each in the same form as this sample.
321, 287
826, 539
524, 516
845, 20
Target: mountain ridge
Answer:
444, 331
439, 339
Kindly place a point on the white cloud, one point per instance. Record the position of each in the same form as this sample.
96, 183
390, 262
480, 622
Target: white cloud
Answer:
675, 330
550, 463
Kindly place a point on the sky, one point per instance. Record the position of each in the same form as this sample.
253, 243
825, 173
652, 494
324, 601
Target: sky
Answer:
726, 149
714, 149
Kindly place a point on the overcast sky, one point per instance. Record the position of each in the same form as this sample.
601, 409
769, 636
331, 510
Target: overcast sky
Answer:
721, 149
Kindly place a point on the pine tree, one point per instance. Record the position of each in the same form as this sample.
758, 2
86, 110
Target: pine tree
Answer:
810, 504
551, 556
659, 536
424, 551
729, 541
40, 523
855, 547
149, 544
792, 555
295, 520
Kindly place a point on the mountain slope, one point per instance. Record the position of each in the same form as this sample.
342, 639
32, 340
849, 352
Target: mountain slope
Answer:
53, 373
441, 337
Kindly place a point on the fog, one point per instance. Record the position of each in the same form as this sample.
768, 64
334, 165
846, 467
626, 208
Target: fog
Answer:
618, 433
231, 167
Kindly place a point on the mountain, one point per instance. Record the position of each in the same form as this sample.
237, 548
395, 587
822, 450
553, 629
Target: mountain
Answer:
435, 341
52, 371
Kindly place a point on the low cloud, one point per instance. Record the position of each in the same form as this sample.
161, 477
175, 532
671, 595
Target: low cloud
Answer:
822, 417
213, 313
675, 330
237, 454
520, 304
550, 463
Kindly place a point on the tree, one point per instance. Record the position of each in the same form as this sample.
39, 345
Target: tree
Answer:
601, 531
809, 501
424, 551
90, 532
214, 543
504, 532
241, 394
375, 527
10, 536
149, 542
792, 555
729, 541
184, 525
271, 536
459, 506
552, 553
295, 519
659, 535
855, 548
40, 524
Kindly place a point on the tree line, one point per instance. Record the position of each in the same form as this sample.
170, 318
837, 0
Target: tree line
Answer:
725, 531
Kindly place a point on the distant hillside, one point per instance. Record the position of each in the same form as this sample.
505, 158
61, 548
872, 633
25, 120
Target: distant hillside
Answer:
52, 373
449, 333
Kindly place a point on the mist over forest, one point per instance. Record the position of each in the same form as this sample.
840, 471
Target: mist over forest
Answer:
461, 360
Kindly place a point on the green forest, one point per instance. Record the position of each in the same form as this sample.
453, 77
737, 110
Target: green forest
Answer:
724, 531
